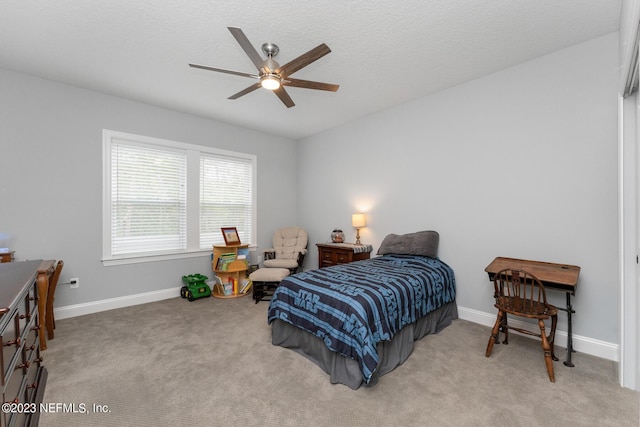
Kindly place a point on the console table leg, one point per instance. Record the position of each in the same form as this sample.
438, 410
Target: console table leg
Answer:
570, 350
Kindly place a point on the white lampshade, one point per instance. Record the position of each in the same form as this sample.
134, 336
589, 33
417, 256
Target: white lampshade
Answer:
358, 220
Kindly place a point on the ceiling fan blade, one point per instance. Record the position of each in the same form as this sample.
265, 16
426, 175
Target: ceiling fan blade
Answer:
245, 91
304, 60
284, 97
248, 48
307, 84
220, 70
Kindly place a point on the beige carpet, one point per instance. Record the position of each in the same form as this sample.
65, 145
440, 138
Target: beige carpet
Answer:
211, 363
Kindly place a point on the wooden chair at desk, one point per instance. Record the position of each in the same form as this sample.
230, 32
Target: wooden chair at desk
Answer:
520, 293
53, 282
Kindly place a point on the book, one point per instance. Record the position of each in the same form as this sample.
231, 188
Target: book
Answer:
243, 253
218, 285
248, 288
224, 260
246, 285
228, 288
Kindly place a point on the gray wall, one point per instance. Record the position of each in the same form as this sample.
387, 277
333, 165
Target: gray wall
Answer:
520, 163
51, 180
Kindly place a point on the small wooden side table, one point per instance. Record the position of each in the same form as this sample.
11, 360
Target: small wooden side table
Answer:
6, 256
341, 253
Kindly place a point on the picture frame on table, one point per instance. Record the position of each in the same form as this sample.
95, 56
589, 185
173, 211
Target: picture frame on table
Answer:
230, 235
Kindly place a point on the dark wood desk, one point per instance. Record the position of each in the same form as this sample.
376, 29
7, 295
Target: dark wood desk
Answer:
562, 277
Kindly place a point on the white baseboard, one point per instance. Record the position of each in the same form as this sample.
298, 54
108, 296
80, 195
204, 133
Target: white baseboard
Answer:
602, 349
111, 303
582, 344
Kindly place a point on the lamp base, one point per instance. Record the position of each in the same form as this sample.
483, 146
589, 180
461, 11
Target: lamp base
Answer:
358, 236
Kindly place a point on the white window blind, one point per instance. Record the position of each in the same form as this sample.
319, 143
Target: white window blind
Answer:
165, 199
148, 198
226, 198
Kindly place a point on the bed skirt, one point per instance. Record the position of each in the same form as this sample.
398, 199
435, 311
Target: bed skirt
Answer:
344, 370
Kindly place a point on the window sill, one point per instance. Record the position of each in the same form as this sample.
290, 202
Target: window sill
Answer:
153, 258
137, 259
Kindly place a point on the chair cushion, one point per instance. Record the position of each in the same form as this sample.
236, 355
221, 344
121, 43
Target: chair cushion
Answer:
289, 241
281, 263
269, 275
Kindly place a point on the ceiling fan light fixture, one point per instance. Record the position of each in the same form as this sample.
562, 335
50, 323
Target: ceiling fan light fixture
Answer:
271, 75
270, 81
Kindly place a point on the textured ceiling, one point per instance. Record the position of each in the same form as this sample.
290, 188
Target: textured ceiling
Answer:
383, 52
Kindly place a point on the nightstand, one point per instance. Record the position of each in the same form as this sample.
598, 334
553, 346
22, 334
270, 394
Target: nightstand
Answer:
341, 253
6, 256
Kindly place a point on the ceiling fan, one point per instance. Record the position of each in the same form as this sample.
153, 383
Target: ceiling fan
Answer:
271, 75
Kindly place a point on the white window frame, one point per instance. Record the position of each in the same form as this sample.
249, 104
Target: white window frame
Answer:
193, 196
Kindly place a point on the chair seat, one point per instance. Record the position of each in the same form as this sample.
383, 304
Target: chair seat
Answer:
269, 274
526, 308
281, 263
265, 281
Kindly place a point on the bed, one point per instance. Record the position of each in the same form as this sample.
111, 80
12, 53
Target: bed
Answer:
358, 321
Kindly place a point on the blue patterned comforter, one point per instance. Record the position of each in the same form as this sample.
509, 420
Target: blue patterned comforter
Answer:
352, 307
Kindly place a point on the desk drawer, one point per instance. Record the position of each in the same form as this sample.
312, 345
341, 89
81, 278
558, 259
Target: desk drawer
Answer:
336, 256
11, 342
31, 342
327, 255
342, 257
33, 377
17, 418
26, 311
12, 389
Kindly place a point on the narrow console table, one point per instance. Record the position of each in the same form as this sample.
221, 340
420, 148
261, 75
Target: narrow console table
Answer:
562, 277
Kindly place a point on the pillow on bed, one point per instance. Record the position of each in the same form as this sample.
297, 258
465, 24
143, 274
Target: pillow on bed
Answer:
423, 243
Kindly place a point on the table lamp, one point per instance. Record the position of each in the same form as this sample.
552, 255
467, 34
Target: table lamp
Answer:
358, 221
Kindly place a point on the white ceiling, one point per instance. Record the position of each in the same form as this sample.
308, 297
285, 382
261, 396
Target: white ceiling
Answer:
384, 52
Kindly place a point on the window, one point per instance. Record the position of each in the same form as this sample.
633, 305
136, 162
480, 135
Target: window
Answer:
225, 198
148, 199
166, 199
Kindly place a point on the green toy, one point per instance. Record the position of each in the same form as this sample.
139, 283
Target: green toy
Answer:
195, 288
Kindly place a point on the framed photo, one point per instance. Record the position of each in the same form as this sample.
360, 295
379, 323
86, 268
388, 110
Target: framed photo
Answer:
230, 235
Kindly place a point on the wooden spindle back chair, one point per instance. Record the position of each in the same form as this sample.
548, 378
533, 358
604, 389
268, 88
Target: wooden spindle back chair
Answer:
50, 322
520, 293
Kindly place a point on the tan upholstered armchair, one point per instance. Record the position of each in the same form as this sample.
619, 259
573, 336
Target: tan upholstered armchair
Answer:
289, 249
